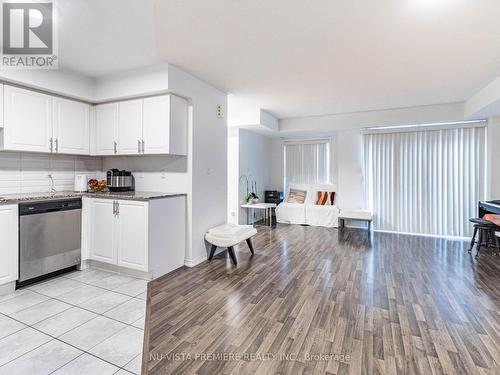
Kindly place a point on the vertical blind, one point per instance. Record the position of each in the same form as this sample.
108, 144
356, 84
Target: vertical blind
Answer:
425, 182
307, 162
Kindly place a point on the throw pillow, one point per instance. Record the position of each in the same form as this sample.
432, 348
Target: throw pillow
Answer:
325, 198
296, 196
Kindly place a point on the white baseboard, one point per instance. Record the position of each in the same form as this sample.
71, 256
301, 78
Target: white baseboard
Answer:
117, 269
467, 239
8, 288
195, 261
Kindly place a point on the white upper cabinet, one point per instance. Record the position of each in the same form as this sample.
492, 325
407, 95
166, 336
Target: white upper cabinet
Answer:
37, 122
130, 127
106, 129
165, 125
178, 125
155, 125
71, 127
156, 133
28, 120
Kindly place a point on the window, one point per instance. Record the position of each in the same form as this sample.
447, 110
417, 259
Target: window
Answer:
426, 182
307, 162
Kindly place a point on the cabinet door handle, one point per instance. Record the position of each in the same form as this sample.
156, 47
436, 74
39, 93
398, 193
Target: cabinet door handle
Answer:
117, 208
143, 149
57, 144
138, 146
114, 147
114, 208
51, 143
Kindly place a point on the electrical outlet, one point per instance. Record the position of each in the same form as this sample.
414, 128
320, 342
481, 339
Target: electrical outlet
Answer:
220, 111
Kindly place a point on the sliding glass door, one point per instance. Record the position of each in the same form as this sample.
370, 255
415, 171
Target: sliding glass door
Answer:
426, 182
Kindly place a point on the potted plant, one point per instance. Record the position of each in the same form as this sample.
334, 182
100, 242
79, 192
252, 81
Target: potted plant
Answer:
252, 198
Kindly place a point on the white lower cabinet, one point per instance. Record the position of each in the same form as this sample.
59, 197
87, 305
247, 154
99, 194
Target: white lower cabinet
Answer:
9, 250
119, 233
103, 231
132, 234
148, 237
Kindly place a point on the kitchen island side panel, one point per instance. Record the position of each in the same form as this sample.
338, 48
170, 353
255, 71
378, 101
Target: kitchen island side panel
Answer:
167, 234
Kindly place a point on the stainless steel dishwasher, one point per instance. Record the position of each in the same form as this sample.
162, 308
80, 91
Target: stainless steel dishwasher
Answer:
49, 238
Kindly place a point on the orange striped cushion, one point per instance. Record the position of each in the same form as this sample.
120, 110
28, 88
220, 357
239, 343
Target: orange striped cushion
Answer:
325, 198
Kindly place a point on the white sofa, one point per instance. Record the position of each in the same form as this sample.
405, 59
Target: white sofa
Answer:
309, 213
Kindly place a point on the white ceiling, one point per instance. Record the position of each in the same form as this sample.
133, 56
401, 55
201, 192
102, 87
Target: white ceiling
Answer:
296, 58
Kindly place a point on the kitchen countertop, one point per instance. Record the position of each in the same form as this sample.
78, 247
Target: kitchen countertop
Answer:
129, 195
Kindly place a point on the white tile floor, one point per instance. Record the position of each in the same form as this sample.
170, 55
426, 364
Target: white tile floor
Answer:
88, 322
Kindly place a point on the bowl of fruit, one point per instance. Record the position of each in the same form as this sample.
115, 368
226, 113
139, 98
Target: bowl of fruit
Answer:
97, 185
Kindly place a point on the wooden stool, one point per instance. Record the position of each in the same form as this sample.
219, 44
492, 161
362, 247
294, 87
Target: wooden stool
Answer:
486, 237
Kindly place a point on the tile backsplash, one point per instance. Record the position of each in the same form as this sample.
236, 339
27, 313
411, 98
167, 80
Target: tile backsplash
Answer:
29, 173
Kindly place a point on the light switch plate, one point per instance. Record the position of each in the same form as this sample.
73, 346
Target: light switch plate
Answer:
220, 111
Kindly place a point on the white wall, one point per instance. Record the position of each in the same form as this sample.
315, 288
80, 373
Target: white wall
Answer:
348, 146
347, 150
254, 156
165, 173
268, 121
29, 173
493, 135
349, 162
400, 116
144, 81
208, 161
133, 83
249, 154
486, 102
202, 174
276, 165
346, 167
233, 174
54, 81
241, 112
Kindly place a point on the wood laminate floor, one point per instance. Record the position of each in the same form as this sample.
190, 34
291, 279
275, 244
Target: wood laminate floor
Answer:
316, 300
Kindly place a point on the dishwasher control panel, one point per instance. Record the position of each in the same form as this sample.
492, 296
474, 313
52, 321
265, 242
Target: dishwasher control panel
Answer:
33, 208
